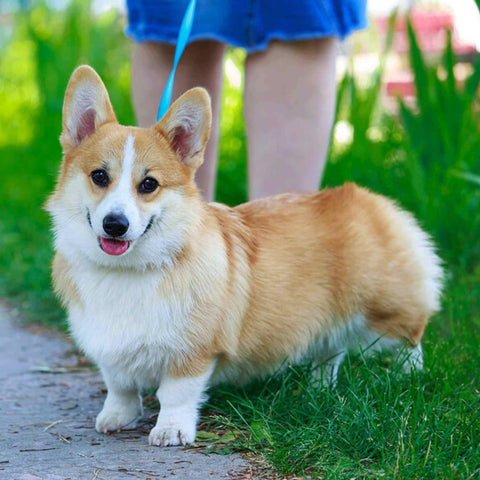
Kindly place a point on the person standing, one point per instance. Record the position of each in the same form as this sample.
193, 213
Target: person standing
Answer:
290, 88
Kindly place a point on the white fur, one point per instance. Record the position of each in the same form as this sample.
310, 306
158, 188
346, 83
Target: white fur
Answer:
356, 336
121, 200
156, 248
328, 353
122, 406
87, 96
180, 400
135, 333
132, 336
189, 117
410, 358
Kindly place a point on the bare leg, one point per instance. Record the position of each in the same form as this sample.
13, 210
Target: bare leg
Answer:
289, 109
201, 65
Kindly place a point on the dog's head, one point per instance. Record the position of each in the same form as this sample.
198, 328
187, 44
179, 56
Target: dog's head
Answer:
125, 196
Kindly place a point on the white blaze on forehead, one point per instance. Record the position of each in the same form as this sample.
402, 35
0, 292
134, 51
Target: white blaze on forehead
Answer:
125, 180
122, 199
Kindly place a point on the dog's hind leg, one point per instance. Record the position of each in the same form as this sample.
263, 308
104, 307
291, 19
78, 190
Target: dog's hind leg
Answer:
408, 329
410, 358
328, 354
325, 370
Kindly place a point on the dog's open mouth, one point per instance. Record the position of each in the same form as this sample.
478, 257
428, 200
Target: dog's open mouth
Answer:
112, 246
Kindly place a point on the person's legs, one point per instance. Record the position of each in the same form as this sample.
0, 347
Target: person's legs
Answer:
289, 106
200, 65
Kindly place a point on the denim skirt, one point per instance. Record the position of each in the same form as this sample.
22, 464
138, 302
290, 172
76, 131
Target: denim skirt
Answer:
250, 24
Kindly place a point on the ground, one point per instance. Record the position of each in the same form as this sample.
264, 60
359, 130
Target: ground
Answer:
48, 410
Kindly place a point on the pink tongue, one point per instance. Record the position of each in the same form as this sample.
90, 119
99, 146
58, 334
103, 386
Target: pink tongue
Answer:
113, 247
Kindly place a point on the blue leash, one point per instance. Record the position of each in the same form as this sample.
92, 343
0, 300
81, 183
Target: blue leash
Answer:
183, 35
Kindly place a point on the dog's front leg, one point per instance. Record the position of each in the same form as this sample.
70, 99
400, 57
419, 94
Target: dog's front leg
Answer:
122, 406
180, 400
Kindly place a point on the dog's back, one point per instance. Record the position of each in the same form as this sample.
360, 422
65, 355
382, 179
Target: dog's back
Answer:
317, 262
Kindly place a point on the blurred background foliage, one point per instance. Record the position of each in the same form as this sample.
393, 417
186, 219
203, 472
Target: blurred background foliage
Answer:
426, 155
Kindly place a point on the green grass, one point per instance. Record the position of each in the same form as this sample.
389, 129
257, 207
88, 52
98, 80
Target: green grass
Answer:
378, 424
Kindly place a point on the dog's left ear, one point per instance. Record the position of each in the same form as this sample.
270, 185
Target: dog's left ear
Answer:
86, 107
187, 125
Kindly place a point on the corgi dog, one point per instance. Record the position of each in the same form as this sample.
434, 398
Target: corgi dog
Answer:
165, 290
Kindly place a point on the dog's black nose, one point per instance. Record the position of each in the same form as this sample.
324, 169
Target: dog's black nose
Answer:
115, 225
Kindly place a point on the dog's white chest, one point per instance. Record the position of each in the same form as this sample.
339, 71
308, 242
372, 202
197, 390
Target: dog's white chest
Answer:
126, 325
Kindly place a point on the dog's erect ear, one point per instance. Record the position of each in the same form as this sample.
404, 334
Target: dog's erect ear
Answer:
187, 124
85, 108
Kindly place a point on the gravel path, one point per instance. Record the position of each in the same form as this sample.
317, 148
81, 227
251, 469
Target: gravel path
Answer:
47, 421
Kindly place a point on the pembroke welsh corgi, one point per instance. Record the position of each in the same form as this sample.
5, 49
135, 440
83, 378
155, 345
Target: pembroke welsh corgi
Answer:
165, 290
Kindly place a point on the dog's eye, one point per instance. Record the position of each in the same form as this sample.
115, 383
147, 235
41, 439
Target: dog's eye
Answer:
100, 178
148, 185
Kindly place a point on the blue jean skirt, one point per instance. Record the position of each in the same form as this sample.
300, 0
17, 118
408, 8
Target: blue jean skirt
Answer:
250, 24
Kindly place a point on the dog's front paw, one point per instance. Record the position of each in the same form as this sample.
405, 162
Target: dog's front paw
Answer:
170, 434
116, 419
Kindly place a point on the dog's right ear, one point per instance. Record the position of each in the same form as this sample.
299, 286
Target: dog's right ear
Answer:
85, 108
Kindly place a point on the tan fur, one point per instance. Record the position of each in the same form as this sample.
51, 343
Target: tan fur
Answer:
296, 266
299, 265
63, 284
190, 293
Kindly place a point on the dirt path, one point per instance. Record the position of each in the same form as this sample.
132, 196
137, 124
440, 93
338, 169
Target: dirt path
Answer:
47, 422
